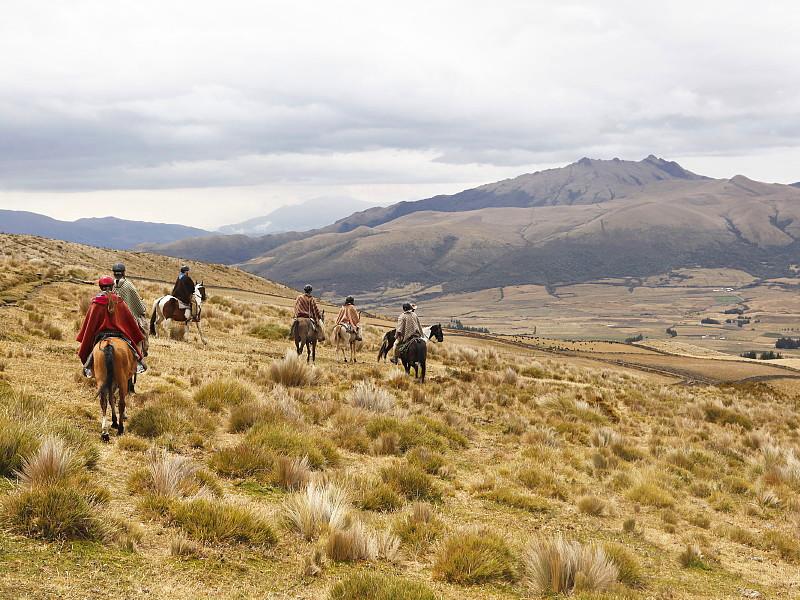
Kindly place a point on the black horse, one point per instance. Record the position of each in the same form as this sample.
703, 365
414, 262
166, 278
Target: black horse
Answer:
434, 332
415, 353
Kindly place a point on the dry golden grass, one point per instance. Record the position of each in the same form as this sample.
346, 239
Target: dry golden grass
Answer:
341, 455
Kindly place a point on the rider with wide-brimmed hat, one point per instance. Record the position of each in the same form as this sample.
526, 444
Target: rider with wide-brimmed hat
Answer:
408, 328
124, 288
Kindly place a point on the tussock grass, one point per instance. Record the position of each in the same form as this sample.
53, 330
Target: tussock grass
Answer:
629, 571
170, 412
291, 473
54, 512
211, 521
223, 393
356, 542
508, 497
427, 460
182, 547
413, 483
292, 371
368, 396
375, 586
652, 494
283, 440
269, 331
592, 505
557, 566
419, 528
242, 461
473, 557
692, 558
381, 497
130, 443
716, 413
317, 508
52, 463
415, 432
17, 440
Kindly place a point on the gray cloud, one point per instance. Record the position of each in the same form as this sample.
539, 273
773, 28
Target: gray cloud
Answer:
193, 94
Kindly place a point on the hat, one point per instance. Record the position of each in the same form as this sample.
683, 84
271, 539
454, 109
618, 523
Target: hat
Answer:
349, 300
106, 281
307, 289
184, 269
118, 268
406, 307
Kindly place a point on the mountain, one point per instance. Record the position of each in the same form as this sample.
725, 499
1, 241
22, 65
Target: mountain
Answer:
311, 214
590, 220
797, 185
108, 232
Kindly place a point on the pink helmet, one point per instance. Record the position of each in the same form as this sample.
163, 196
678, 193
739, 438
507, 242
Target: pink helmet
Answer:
106, 281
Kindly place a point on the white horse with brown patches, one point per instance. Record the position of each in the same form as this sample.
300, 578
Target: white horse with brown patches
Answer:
168, 308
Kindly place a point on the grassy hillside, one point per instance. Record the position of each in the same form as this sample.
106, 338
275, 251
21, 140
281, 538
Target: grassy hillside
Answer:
243, 474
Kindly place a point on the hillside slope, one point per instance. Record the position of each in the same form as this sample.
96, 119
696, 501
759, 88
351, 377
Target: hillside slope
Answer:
587, 221
108, 232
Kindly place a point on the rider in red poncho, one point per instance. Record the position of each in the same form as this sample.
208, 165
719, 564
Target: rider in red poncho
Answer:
107, 313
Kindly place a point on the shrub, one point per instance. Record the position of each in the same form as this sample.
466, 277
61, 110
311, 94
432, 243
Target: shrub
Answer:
292, 371
17, 440
269, 331
557, 566
367, 395
411, 482
54, 512
222, 393
316, 509
286, 441
375, 586
786, 545
212, 521
52, 463
242, 461
514, 499
473, 557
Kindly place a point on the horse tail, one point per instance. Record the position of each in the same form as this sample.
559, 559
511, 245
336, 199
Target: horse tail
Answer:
108, 355
153, 317
384, 351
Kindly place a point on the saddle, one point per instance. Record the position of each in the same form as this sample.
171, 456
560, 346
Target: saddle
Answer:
350, 329
104, 335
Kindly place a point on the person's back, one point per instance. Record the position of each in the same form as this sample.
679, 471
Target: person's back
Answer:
107, 313
349, 317
408, 328
184, 291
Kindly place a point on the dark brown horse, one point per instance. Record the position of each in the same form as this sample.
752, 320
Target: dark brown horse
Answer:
114, 367
307, 335
168, 308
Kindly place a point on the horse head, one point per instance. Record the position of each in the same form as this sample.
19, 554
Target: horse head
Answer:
200, 292
436, 332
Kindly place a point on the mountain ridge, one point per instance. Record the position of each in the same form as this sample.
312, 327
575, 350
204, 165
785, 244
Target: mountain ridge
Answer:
109, 232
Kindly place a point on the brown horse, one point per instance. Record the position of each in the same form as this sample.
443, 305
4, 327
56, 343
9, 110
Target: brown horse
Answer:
114, 368
346, 338
306, 335
168, 308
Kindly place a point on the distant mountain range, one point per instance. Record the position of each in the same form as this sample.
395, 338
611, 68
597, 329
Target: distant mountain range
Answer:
108, 232
311, 214
586, 221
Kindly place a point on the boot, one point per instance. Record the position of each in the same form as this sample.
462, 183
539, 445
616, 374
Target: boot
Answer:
141, 367
88, 367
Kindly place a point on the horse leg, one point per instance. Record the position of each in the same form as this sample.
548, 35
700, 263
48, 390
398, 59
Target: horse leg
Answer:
103, 407
121, 422
299, 345
114, 422
200, 331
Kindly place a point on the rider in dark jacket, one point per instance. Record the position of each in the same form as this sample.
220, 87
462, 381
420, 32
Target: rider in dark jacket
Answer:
184, 291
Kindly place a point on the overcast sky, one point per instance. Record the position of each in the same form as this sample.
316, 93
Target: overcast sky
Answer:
208, 113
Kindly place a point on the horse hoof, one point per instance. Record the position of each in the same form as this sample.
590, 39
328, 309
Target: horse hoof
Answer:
120, 429
104, 437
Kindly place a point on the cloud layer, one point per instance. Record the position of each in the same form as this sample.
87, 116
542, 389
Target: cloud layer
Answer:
196, 94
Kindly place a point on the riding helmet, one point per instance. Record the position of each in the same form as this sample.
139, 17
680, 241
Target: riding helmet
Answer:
406, 307
184, 269
349, 300
106, 282
118, 268
307, 289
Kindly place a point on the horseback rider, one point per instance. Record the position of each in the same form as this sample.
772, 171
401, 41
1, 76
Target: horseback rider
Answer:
408, 328
124, 288
349, 317
184, 292
305, 307
108, 316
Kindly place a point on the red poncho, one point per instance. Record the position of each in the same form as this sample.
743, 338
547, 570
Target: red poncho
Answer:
107, 312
